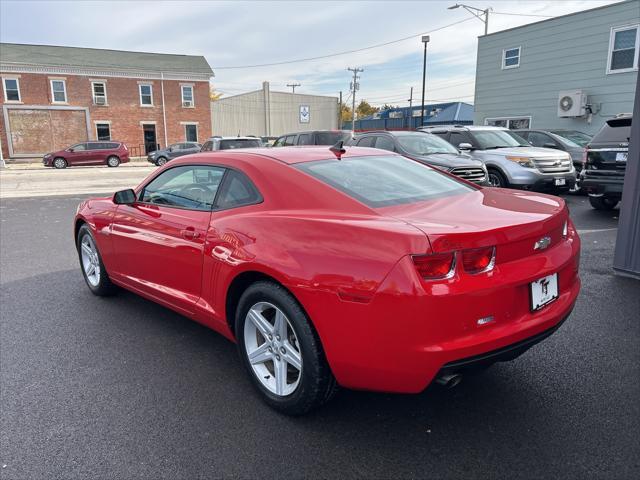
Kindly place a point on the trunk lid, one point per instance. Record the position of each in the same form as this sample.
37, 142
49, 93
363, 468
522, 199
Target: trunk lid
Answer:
510, 220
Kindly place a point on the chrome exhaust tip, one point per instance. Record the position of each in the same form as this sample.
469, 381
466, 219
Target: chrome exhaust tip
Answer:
449, 381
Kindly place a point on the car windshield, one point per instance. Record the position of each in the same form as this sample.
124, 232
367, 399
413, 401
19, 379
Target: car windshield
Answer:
488, 139
331, 138
240, 143
381, 181
425, 144
573, 137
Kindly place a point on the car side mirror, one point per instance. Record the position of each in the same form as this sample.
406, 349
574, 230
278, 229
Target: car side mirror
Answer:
124, 197
70, 150
550, 145
465, 146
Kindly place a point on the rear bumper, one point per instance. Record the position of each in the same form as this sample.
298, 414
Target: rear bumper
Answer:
411, 330
601, 185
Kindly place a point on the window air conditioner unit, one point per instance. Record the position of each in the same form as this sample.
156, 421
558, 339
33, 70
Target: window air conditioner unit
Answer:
572, 103
99, 100
187, 104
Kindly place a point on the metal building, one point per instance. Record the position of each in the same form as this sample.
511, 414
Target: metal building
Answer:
268, 113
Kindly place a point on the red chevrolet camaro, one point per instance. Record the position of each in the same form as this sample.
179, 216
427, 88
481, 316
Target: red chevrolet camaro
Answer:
360, 268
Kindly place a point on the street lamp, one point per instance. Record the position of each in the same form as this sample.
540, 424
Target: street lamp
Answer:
425, 40
476, 12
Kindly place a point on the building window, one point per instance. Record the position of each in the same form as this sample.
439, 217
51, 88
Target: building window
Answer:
103, 131
512, 123
11, 90
187, 96
511, 58
99, 93
146, 95
623, 49
59, 91
191, 132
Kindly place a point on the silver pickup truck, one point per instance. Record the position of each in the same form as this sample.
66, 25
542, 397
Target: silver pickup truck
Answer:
510, 160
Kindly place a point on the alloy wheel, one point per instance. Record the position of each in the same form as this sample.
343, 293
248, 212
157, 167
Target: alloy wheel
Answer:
161, 161
273, 349
113, 161
90, 260
494, 180
59, 163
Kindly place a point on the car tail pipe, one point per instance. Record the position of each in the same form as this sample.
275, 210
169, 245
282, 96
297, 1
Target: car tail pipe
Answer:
449, 381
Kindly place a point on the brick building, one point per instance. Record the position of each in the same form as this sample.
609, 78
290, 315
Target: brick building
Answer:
52, 97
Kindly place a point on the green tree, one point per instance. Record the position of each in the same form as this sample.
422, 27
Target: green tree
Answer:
364, 109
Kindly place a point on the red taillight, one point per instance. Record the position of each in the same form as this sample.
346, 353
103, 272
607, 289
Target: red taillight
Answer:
436, 266
478, 259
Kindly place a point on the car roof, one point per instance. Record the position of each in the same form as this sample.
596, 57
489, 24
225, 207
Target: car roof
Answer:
395, 133
314, 131
231, 138
464, 127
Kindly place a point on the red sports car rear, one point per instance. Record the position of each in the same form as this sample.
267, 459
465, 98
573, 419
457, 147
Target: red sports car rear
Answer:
364, 269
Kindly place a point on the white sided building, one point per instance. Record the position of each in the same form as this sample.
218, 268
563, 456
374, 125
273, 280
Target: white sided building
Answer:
270, 114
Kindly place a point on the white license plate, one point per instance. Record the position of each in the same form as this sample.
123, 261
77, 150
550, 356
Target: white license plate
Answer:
544, 291
560, 181
621, 156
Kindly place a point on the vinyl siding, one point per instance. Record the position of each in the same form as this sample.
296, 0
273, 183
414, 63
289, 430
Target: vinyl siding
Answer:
565, 53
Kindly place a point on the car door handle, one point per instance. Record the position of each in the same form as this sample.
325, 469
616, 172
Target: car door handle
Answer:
189, 233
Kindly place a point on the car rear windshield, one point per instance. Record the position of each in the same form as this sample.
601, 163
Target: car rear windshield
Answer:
381, 181
614, 131
240, 143
579, 138
331, 138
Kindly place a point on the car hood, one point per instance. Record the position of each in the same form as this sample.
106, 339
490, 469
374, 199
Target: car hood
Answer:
484, 217
449, 160
536, 152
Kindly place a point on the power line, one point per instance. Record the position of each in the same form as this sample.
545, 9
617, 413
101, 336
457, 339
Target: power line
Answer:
272, 64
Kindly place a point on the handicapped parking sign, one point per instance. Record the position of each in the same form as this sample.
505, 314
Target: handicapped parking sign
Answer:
304, 114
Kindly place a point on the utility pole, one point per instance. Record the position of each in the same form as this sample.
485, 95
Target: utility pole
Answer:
293, 86
411, 108
476, 12
340, 112
425, 40
355, 86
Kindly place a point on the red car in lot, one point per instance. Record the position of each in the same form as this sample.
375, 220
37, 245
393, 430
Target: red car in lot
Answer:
108, 153
363, 269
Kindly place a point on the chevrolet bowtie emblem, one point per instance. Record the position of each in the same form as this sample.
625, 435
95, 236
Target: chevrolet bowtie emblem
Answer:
543, 243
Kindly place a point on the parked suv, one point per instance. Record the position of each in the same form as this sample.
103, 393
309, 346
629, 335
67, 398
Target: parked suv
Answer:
313, 137
230, 143
603, 174
162, 156
428, 149
88, 153
510, 159
571, 141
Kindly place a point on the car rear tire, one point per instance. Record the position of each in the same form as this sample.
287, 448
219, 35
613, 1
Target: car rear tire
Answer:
59, 163
113, 161
161, 161
497, 179
281, 350
95, 275
603, 203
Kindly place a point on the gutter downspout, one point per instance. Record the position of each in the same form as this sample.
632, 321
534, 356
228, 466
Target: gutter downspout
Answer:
164, 113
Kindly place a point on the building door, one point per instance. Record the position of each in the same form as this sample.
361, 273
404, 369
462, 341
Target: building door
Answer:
150, 140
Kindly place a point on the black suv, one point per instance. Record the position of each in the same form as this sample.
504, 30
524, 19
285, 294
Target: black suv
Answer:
606, 160
428, 149
313, 137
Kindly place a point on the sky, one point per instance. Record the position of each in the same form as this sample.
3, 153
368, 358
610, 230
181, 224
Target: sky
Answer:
240, 34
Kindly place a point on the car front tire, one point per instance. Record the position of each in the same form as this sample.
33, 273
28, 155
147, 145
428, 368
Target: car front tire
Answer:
603, 203
281, 350
59, 163
161, 161
113, 161
95, 275
497, 179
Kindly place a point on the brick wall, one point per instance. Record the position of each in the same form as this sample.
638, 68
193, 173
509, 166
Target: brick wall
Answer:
123, 110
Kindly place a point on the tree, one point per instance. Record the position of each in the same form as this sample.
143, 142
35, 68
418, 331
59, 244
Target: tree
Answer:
345, 113
364, 109
386, 106
213, 95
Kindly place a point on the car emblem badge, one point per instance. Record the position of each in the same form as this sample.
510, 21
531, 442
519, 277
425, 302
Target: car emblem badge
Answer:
543, 243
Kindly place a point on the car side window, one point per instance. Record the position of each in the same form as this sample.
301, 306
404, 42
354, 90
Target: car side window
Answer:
305, 139
289, 140
80, 147
279, 142
538, 139
188, 186
385, 143
237, 191
367, 141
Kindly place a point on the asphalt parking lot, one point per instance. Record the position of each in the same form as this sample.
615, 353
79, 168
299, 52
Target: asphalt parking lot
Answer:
123, 388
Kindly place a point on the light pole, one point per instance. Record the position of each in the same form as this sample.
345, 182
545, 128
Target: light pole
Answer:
425, 40
476, 12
